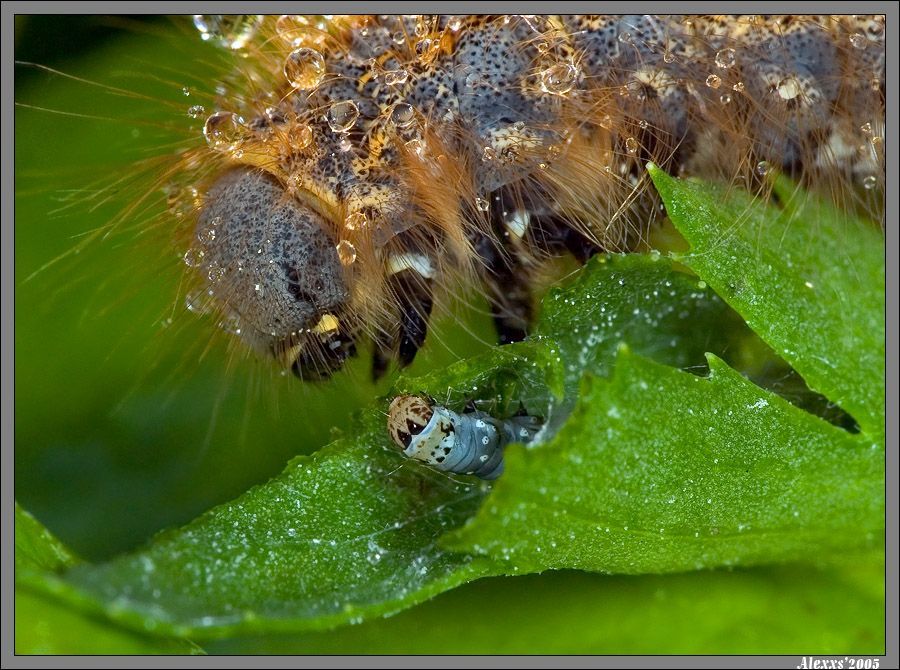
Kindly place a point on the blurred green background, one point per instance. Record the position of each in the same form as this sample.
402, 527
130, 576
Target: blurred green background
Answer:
131, 417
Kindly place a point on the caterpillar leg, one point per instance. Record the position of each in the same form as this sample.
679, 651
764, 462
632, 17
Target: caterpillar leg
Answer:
412, 291
510, 299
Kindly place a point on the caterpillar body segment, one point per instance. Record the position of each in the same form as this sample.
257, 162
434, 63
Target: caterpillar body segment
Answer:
470, 443
429, 153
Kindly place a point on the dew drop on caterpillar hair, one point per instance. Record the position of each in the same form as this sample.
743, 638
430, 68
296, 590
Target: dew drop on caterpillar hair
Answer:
354, 174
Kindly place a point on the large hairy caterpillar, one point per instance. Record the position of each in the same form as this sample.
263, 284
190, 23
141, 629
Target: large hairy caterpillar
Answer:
355, 172
359, 167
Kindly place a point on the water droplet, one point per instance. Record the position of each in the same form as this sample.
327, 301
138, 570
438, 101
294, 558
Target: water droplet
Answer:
625, 37
482, 205
304, 68
870, 182
877, 142
186, 91
345, 144
606, 122
197, 302
788, 88
866, 128
416, 147
739, 87
342, 116
488, 154
553, 152
559, 78
399, 37
290, 27
182, 201
631, 145
858, 40
193, 257
396, 77
223, 130
644, 125
725, 98
725, 58
299, 137
206, 235
355, 221
403, 114
427, 48
231, 31
215, 272
714, 81
763, 168
455, 23
346, 252
231, 324
473, 79
669, 57
196, 111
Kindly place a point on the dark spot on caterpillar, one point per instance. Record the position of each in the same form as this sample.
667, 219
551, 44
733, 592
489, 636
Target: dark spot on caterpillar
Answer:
295, 286
413, 427
404, 437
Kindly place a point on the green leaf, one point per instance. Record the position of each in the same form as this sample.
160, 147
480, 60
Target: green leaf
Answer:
347, 533
36, 547
46, 626
773, 610
809, 280
352, 531
659, 470
663, 314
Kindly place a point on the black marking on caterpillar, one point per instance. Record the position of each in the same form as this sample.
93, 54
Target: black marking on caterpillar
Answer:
471, 443
390, 157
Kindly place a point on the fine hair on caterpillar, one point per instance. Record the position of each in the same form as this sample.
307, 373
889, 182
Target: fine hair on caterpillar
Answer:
354, 174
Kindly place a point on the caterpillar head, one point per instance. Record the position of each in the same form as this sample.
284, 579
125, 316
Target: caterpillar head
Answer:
422, 431
272, 268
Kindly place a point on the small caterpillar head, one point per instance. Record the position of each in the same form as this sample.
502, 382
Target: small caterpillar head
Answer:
271, 263
425, 432
408, 416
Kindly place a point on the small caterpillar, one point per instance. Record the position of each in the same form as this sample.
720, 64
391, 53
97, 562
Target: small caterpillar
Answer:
364, 163
471, 443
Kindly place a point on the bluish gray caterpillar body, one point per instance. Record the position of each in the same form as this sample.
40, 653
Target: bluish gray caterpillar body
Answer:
361, 170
